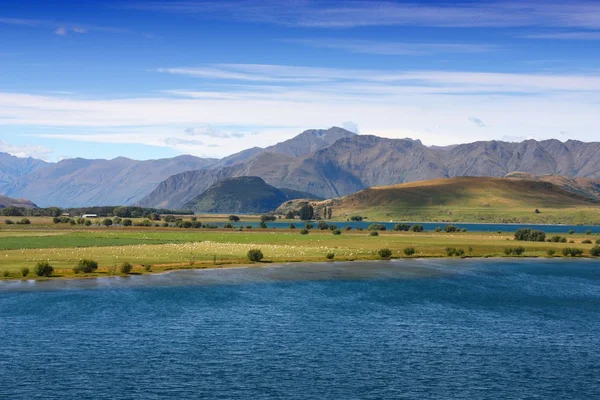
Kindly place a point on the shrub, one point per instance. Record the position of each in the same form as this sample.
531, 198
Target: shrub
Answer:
107, 222
323, 225
233, 218
359, 228
263, 225
595, 251
572, 251
463, 230
304, 231
451, 251
586, 241
515, 251
558, 239
128, 222
409, 251
187, 224
588, 232
24, 271
384, 253
336, 232
148, 267
356, 218
308, 225
292, 226
255, 255
571, 231
401, 227
329, 256
347, 228
170, 218
267, 218
43, 268
550, 252
289, 215
597, 241
374, 233
376, 227
25, 221
5, 274
228, 226
86, 266
451, 228
88, 222
117, 220
530, 235
438, 229
56, 220
125, 268
417, 228
9, 222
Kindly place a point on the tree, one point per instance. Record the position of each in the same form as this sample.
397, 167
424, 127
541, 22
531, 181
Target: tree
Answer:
127, 222
43, 268
306, 212
304, 231
107, 222
417, 228
595, 251
267, 218
530, 235
24, 271
329, 212
255, 255
125, 268
409, 251
87, 266
356, 218
330, 256
451, 228
234, 218
123, 212
289, 215
401, 227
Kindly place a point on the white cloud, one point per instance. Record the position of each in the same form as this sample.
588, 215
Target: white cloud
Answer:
360, 13
25, 151
351, 126
61, 31
477, 122
385, 103
390, 48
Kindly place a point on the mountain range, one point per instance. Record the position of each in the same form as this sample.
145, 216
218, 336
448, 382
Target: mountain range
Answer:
323, 163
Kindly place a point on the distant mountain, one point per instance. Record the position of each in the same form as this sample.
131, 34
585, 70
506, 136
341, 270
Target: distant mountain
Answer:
80, 182
21, 203
13, 168
309, 141
357, 162
248, 194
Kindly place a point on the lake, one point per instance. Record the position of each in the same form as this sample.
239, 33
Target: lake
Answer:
430, 226
436, 329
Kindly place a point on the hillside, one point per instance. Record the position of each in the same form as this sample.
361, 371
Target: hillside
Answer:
467, 199
247, 194
14, 168
357, 162
10, 202
81, 182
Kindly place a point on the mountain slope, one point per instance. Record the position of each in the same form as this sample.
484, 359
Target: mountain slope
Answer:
309, 141
10, 202
13, 168
248, 194
80, 182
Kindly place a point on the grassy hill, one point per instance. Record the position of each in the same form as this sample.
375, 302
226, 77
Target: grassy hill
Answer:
469, 199
247, 194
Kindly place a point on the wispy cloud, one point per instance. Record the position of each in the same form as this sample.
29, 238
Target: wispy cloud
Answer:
61, 31
391, 48
39, 152
208, 130
348, 14
576, 35
477, 122
61, 28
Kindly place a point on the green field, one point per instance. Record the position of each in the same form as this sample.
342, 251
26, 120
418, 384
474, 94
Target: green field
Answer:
171, 248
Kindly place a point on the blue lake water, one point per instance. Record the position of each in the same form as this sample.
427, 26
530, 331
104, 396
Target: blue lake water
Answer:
430, 226
436, 329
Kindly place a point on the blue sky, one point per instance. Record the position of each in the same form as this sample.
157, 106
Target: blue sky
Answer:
151, 79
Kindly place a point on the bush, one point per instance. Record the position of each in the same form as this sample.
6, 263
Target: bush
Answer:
24, 221
170, 218
401, 227
417, 228
515, 251
8, 222
332, 227
5, 274
530, 235
451, 228
359, 228
571, 231
550, 252
329, 256
117, 220
409, 251
588, 232
558, 239
255, 255
24, 271
267, 218
263, 225
595, 251
107, 222
187, 224
463, 230
128, 222
384, 253
234, 218
88, 222
586, 241
356, 218
289, 215
374, 233
597, 241
347, 228
43, 268
125, 268
438, 229
308, 225
336, 232
451, 251
572, 251
323, 225
148, 267
87, 266
228, 226
376, 227
56, 220
292, 226
304, 231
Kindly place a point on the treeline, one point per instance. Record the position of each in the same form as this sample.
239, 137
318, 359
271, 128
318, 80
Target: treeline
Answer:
100, 211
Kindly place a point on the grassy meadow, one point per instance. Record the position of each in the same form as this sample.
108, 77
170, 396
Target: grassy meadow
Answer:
63, 245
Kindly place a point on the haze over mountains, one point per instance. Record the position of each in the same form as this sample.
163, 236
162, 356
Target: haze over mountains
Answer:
324, 163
